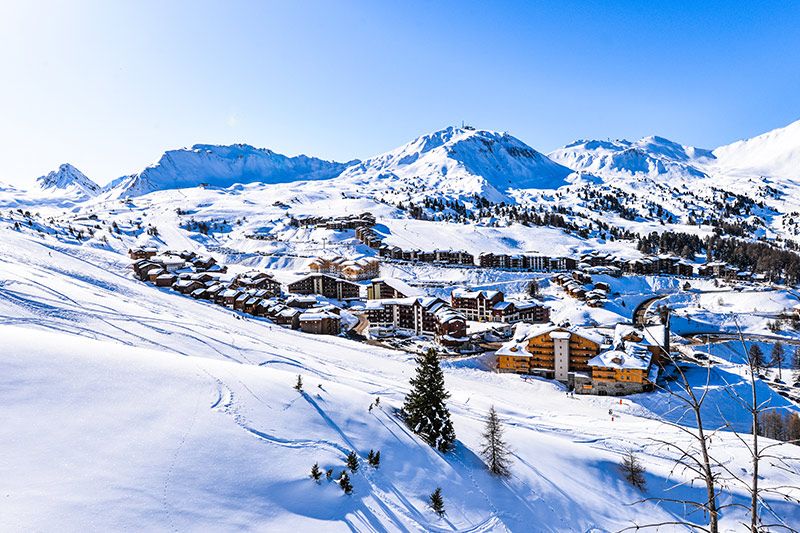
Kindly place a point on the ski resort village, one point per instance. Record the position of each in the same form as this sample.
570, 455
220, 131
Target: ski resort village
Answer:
460, 334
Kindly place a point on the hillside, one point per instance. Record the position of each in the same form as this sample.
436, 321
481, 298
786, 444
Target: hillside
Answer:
194, 422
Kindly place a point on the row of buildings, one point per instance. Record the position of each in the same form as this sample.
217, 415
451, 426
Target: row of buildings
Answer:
255, 293
365, 219
579, 286
587, 361
370, 237
349, 269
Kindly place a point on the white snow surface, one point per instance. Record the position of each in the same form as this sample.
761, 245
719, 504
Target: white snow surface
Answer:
132, 407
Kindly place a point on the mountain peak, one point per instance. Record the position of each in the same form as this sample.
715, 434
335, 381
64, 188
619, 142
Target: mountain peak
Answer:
70, 179
458, 162
224, 166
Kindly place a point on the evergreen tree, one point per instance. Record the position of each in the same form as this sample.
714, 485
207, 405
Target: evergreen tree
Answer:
352, 462
344, 483
756, 358
329, 474
776, 358
425, 411
633, 470
374, 458
533, 288
316, 473
494, 449
437, 502
299, 385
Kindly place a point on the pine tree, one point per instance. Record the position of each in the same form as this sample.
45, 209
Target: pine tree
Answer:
374, 458
344, 483
329, 474
533, 288
352, 462
299, 385
756, 358
437, 502
316, 473
425, 411
776, 358
633, 470
494, 449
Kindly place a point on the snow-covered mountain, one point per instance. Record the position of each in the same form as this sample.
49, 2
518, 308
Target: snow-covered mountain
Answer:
458, 162
68, 181
775, 154
653, 157
223, 166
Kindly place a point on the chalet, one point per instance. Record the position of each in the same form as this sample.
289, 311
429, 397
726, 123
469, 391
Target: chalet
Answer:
257, 280
476, 304
165, 280
187, 286
320, 323
716, 269
325, 285
200, 294
144, 269
351, 269
383, 288
169, 262
288, 317
301, 302
203, 262
428, 316
228, 297
213, 290
250, 305
549, 351
153, 274
511, 312
142, 253
239, 301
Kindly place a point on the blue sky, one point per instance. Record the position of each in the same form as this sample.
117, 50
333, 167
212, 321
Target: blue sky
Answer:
108, 86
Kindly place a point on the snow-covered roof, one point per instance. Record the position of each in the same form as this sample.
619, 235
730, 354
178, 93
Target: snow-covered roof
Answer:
473, 294
623, 360
400, 286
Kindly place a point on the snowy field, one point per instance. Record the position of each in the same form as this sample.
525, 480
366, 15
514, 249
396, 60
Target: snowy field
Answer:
131, 407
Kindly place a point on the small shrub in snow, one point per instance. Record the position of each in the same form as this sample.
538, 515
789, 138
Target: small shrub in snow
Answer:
329, 474
299, 385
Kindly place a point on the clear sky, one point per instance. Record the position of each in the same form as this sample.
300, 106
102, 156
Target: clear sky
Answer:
108, 85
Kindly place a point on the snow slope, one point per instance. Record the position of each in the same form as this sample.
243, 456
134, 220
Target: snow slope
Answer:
131, 407
222, 166
775, 154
